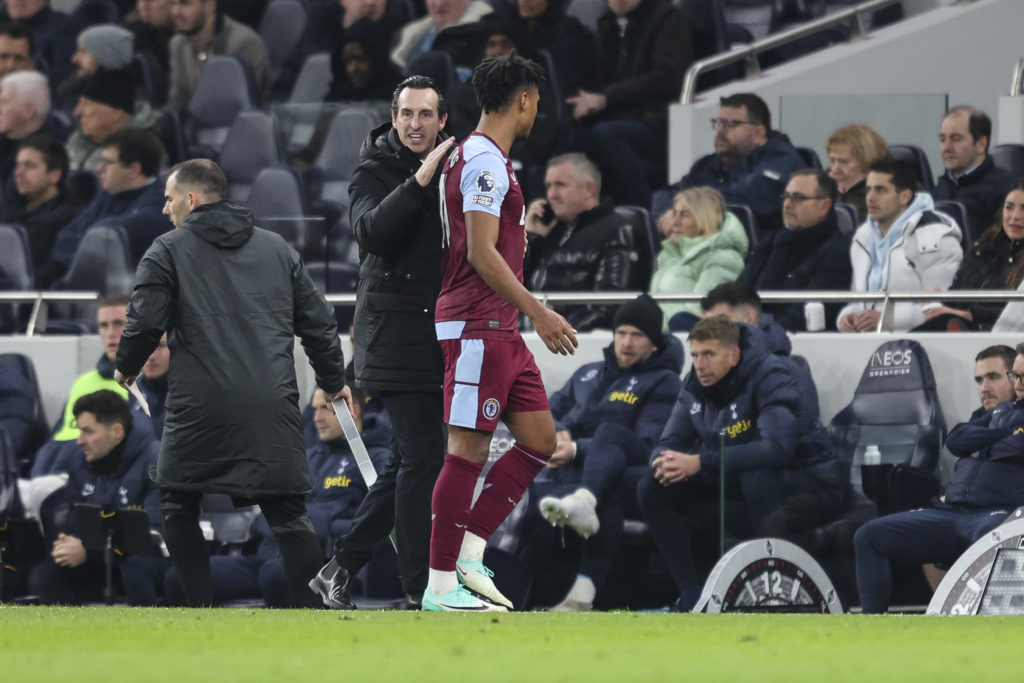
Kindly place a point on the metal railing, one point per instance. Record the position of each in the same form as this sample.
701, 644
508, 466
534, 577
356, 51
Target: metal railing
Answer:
41, 299
1017, 86
853, 17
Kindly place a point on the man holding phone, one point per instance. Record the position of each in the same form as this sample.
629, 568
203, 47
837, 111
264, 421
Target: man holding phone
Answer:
577, 242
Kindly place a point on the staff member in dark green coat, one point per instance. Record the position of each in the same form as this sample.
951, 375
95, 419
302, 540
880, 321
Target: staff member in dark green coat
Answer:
231, 297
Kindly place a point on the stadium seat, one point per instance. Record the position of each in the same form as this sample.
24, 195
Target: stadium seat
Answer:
1009, 157
103, 264
15, 257
958, 212
435, 64
251, 146
749, 221
645, 236
587, 11
810, 157
277, 204
915, 156
230, 527
896, 408
281, 28
336, 278
758, 17
849, 221
225, 89
171, 134
313, 81
39, 429
340, 154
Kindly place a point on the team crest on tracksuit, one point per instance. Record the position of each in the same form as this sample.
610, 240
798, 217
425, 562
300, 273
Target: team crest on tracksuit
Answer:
733, 409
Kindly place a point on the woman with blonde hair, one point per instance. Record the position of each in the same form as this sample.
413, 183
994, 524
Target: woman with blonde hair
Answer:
851, 151
704, 246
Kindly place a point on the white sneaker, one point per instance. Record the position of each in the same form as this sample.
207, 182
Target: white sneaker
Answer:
479, 579
570, 605
571, 511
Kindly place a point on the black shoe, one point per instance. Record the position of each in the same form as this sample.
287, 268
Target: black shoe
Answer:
411, 602
332, 583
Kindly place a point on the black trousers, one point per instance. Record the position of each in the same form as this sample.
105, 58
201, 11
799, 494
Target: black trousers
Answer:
288, 520
400, 498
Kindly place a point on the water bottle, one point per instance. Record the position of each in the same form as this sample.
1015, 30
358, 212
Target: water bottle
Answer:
872, 456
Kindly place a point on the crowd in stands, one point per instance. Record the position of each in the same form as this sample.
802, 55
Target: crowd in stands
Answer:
91, 112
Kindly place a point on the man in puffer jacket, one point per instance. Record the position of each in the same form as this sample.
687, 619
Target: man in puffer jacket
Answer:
905, 245
775, 449
988, 483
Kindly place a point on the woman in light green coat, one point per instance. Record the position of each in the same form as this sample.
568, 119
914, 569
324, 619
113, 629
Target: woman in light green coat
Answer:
704, 246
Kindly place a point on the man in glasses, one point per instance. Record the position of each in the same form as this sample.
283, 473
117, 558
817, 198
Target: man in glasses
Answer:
751, 163
988, 484
810, 254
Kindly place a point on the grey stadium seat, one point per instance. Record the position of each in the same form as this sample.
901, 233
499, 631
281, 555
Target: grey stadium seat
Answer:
281, 28
225, 89
251, 146
313, 81
340, 154
277, 204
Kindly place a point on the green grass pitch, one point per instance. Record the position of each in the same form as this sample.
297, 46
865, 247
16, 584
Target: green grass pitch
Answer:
129, 644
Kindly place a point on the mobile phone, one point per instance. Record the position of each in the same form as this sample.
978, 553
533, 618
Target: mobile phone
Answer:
549, 214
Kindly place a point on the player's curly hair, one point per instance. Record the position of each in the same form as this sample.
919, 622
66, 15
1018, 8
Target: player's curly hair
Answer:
496, 80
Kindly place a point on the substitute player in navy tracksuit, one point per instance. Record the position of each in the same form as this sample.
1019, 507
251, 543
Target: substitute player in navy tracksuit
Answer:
111, 470
775, 448
988, 484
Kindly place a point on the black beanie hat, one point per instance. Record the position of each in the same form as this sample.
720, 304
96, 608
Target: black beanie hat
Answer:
112, 87
643, 313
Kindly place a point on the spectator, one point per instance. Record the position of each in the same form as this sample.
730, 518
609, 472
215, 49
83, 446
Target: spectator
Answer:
111, 470
499, 37
330, 24
546, 26
905, 245
360, 71
338, 488
851, 151
443, 16
53, 34
987, 485
993, 262
774, 450
971, 177
751, 163
16, 48
41, 203
204, 31
106, 106
153, 383
608, 416
110, 320
704, 246
16, 416
576, 242
810, 254
24, 111
153, 29
104, 46
129, 162
643, 50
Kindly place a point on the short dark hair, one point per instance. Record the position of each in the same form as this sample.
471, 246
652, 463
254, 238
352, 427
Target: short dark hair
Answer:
54, 154
826, 184
999, 351
137, 146
106, 406
902, 173
732, 294
1019, 350
496, 80
115, 299
978, 122
757, 110
19, 31
420, 83
202, 175
719, 328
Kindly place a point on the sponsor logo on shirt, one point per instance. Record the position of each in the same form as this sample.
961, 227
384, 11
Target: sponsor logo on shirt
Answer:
483, 200
340, 481
623, 396
737, 428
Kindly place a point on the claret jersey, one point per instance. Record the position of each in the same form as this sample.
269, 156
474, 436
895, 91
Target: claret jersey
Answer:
478, 177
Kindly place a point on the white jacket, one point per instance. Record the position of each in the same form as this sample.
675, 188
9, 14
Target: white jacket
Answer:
926, 255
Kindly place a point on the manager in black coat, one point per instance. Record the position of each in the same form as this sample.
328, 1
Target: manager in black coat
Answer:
231, 297
397, 223
810, 254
